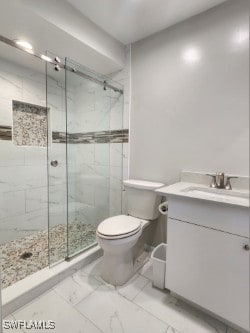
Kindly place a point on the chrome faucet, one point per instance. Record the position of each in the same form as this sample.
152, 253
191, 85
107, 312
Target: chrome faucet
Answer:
218, 181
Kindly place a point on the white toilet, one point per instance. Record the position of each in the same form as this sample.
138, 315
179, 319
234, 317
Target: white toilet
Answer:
117, 235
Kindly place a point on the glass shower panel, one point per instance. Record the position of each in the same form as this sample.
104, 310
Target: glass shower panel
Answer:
84, 156
57, 166
92, 181
116, 153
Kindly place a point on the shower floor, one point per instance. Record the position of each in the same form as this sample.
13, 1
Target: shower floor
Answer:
27, 255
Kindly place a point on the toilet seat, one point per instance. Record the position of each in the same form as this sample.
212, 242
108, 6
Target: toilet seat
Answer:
120, 226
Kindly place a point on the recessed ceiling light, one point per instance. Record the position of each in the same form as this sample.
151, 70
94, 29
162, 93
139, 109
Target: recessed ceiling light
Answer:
46, 58
23, 43
191, 55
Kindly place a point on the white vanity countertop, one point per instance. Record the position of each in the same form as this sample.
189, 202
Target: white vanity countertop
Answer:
236, 197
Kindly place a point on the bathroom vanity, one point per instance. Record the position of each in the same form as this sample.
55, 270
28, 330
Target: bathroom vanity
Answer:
208, 249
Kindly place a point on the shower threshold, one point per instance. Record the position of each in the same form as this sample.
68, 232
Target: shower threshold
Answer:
23, 291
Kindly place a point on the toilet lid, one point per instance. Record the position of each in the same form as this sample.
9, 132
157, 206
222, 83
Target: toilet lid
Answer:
119, 225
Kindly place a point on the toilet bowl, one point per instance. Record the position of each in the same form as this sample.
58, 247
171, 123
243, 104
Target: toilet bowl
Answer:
118, 235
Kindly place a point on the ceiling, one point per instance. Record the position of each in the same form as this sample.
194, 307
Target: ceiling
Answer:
57, 38
16, 56
33, 64
125, 20
131, 20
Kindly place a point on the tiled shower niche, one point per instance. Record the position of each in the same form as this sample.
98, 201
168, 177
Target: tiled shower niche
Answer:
29, 124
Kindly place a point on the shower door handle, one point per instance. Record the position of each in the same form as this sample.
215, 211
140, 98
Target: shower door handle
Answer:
54, 163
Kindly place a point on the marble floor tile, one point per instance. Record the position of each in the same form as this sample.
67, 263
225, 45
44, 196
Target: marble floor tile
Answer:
132, 288
147, 271
94, 269
185, 319
84, 303
50, 306
76, 287
113, 313
218, 325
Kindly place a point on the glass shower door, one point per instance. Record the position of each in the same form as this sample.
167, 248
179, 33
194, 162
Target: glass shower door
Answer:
91, 175
84, 156
57, 167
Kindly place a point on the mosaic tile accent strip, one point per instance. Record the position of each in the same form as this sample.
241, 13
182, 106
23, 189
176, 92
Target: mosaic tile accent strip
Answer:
5, 133
58, 137
114, 136
14, 268
29, 124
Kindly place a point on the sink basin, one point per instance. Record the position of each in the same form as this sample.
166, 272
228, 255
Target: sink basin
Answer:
203, 192
211, 192
217, 194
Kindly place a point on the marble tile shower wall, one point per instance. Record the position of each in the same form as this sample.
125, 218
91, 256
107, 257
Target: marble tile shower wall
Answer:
97, 168
22, 193
23, 169
123, 77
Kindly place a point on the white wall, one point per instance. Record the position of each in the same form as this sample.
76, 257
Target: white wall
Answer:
192, 114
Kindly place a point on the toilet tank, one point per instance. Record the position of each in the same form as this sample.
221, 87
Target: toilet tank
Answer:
141, 198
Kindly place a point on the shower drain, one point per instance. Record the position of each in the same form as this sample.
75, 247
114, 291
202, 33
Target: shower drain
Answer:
26, 255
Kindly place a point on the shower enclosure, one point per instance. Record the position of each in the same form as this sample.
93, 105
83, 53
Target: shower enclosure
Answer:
61, 153
85, 145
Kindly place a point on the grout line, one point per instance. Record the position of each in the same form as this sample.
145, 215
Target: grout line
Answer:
85, 317
131, 301
72, 307
145, 310
128, 300
216, 330
84, 297
142, 288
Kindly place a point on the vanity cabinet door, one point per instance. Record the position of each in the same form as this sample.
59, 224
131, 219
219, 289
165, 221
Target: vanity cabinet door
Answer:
209, 268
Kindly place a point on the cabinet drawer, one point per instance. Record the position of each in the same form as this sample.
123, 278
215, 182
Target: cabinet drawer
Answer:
209, 268
228, 218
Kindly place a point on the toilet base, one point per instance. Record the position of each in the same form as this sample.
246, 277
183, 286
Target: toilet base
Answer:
121, 274
117, 269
